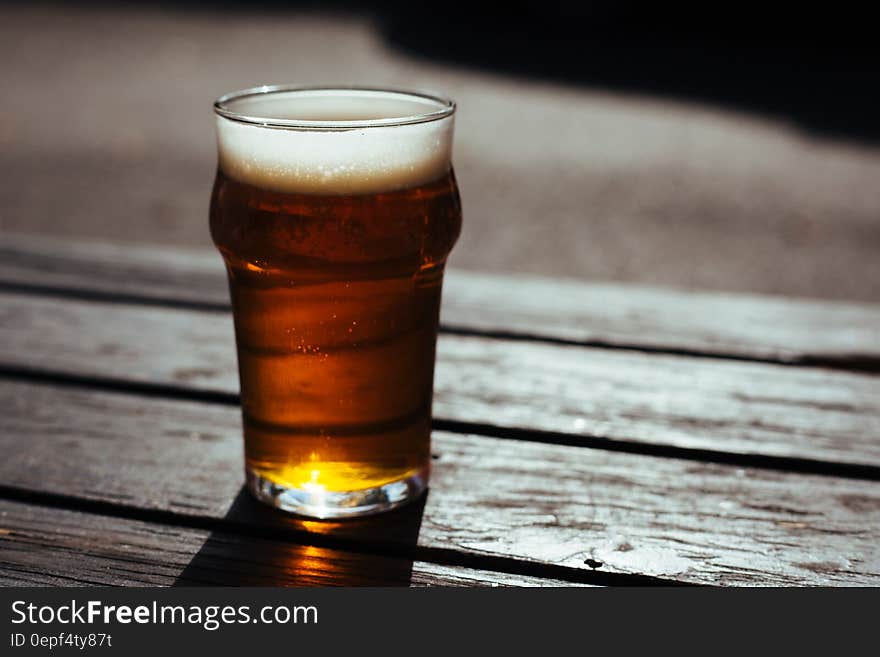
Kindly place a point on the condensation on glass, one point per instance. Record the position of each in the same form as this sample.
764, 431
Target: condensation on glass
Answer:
335, 211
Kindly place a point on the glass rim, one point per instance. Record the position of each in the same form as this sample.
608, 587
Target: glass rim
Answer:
446, 108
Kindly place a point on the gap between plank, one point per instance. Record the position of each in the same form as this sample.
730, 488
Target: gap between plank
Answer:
864, 364
439, 556
759, 461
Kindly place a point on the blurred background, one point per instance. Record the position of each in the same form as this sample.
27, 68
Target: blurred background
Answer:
715, 146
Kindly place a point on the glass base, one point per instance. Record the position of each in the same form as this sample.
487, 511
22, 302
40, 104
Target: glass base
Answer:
327, 504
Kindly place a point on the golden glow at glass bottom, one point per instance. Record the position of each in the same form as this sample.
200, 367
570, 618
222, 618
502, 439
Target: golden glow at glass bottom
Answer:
331, 477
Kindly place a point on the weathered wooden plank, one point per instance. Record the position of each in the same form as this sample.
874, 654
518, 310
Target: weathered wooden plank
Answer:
627, 397
740, 325
490, 498
58, 547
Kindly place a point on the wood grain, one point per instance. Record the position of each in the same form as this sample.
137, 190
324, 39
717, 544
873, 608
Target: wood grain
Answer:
780, 329
626, 398
46, 546
491, 500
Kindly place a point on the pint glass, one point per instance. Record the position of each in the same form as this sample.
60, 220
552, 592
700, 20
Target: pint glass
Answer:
335, 210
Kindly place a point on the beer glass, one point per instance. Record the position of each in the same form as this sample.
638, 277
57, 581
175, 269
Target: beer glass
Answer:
334, 210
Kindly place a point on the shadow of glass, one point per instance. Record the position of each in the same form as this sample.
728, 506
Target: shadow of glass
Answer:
261, 546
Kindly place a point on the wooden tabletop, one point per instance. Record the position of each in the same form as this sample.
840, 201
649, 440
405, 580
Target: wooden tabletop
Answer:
584, 435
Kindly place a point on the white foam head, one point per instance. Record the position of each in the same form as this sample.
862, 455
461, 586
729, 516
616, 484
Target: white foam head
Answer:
334, 141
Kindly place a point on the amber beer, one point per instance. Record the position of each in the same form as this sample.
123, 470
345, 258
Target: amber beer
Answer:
335, 211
